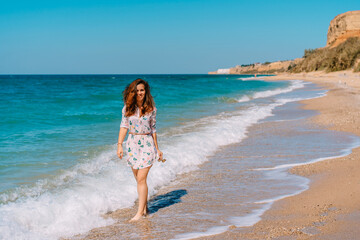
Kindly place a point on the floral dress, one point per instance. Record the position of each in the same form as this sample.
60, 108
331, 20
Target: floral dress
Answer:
140, 149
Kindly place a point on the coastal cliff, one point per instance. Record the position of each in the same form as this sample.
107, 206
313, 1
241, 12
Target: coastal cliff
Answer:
342, 52
342, 27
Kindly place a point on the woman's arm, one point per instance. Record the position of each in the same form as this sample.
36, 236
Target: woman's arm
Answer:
122, 135
157, 146
153, 131
124, 126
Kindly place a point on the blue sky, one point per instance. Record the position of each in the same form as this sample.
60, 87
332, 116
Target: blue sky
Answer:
138, 37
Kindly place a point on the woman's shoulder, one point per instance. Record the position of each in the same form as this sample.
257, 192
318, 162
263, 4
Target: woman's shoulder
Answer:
153, 111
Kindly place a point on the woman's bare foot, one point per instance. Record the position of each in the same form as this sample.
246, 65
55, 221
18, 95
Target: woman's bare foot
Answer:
136, 218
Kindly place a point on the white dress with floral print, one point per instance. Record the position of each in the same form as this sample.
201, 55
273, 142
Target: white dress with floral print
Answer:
140, 149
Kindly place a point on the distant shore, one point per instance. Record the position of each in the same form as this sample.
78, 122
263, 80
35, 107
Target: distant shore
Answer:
330, 208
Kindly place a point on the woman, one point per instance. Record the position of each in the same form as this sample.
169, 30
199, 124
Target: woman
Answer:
139, 117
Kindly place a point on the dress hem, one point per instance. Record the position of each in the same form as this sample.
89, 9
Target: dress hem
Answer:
142, 167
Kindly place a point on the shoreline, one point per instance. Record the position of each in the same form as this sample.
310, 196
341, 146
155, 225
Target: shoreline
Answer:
330, 207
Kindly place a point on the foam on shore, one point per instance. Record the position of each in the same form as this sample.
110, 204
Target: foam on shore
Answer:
295, 84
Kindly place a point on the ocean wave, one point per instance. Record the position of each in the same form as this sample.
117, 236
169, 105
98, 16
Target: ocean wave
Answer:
295, 84
226, 99
247, 78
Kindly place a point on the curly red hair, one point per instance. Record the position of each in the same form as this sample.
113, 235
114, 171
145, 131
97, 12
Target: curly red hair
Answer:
129, 96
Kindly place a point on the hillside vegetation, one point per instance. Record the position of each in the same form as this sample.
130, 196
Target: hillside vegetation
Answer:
344, 56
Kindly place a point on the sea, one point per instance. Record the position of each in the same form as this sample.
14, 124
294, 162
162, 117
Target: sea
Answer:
228, 141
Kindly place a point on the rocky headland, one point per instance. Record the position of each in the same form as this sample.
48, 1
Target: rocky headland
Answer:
342, 27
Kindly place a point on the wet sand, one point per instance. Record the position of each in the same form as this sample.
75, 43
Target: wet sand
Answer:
330, 208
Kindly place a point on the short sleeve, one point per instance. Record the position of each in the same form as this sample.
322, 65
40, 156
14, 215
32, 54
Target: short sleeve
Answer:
125, 120
153, 121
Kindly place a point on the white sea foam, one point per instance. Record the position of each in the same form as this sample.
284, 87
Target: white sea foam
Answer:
252, 218
209, 232
74, 201
248, 78
242, 221
343, 153
295, 84
244, 98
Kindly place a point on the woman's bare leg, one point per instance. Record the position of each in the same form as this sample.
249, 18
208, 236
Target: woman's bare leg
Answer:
140, 176
135, 172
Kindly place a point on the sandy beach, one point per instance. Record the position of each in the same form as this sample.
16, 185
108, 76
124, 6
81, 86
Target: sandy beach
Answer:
330, 208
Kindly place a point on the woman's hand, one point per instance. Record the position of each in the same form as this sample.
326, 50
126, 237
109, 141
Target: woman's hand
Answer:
120, 151
160, 154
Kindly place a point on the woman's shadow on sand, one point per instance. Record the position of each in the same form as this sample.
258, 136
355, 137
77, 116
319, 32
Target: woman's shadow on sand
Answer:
165, 200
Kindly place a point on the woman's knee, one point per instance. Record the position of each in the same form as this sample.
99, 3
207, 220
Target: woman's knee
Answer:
141, 180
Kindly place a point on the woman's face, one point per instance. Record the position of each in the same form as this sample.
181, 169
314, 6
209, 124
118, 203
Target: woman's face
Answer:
140, 92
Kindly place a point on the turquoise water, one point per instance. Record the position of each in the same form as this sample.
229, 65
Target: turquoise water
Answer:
51, 122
